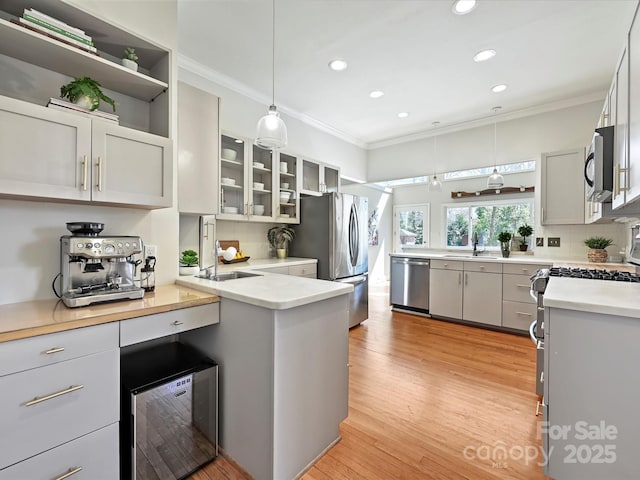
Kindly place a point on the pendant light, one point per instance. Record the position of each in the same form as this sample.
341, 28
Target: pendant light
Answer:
271, 132
495, 180
435, 185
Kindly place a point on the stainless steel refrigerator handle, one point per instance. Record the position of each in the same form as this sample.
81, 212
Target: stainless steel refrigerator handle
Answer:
354, 236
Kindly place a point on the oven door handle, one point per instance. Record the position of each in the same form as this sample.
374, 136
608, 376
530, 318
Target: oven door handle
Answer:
533, 294
532, 332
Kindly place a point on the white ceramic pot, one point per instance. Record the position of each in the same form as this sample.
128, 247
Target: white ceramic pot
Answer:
281, 252
130, 64
84, 102
189, 270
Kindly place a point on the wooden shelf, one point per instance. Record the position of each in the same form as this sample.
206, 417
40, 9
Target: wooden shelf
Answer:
492, 191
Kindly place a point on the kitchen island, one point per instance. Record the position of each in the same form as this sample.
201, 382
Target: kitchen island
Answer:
592, 427
282, 346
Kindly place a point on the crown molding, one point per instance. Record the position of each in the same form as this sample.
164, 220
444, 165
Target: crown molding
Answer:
225, 81
479, 122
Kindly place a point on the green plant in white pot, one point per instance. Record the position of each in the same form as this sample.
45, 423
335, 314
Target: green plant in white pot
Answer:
85, 92
279, 237
130, 59
189, 263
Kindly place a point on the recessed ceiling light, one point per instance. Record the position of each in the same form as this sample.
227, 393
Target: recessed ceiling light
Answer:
499, 88
338, 65
435, 124
238, 140
376, 94
403, 114
484, 55
462, 7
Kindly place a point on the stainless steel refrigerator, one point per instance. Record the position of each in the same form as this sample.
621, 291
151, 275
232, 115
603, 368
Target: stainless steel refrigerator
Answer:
333, 229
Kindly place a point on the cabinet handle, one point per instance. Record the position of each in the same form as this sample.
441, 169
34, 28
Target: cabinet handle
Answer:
85, 168
177, 323
466, 278
526, 270
522, 286
99, 184
481, 268
616, 180
542, 376
71, 471
543, 216
459, 278
54, 350
37, 400
446, 264
523, 313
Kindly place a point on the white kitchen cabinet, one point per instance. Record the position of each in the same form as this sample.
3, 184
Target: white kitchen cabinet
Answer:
482, 293
445, 292
198, 150
240, 197
518, 307
319, 178
621, 137
67, 159
562, 194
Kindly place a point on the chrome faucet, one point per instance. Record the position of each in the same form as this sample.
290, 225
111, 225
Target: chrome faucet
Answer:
475, 244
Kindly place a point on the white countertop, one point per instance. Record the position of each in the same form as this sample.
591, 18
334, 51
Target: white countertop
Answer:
598, 296
270, 290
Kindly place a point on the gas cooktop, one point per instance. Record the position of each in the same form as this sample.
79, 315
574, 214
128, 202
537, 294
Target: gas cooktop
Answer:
594, 274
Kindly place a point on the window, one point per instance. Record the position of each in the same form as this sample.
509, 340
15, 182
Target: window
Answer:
410, 226
488, 220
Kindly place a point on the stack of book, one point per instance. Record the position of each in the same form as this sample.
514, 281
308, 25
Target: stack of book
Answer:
57, 29
59, 104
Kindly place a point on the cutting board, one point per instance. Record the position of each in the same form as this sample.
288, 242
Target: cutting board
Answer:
224, 244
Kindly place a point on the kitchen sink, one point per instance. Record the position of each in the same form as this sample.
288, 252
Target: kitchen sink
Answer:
223, 277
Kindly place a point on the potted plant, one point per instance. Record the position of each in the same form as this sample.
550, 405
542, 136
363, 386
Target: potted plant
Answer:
597, 245
505, 240
130, 59
85, 92
524, 231
279, 237
189, 264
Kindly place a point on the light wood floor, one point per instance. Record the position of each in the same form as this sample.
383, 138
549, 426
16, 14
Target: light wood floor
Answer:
430, 400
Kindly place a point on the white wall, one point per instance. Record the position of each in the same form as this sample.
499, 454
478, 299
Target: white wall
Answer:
520, 139
240, 114
31, 231
381, 202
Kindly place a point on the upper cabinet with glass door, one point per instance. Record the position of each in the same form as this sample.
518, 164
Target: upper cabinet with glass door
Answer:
233, 161
288, 204
247, 179
319, 178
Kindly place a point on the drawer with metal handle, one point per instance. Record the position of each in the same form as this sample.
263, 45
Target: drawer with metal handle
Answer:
45, 407
518, 315
91, 457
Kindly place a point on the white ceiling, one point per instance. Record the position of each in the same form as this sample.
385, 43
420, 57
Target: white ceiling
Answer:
417, 51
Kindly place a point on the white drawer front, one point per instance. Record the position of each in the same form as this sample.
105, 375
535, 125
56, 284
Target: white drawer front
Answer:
516, 288
282, 270
522, 268
96, 454
141, 329
309, 270
42, 350
518, 315
487, 267
58, 419
446, 264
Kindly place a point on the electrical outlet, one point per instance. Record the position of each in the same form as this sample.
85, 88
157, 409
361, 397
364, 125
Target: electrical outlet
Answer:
553, 242
539, 241
150, 251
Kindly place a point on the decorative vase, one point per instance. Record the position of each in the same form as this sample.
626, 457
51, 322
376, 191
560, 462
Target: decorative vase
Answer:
281, 252
193, 270
597, 255
505, 250
130, 64
84, 102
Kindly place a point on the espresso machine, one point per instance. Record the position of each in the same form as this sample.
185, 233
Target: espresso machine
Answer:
98, 269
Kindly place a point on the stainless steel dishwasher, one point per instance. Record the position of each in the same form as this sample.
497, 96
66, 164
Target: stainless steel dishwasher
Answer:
410, 283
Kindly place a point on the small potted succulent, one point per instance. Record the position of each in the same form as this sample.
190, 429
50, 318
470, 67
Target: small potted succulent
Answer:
279, 237
524, 231
505, 242
597, 246
189, 263
85, 92
130, 59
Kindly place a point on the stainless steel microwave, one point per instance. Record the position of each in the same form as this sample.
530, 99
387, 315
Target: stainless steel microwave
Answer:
598, 166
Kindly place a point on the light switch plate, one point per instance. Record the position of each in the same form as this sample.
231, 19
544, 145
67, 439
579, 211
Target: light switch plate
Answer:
539, 241
553, 242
